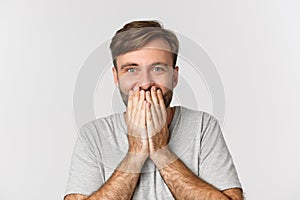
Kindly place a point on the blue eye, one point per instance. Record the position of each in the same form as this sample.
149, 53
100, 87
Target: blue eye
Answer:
157, 69
131, 70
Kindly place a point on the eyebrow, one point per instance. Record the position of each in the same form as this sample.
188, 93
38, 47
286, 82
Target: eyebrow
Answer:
128, 64
135, 65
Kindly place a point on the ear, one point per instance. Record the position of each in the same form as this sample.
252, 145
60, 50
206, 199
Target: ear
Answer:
115, 73
175, 76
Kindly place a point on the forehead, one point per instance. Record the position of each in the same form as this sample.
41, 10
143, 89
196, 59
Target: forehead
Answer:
157, 50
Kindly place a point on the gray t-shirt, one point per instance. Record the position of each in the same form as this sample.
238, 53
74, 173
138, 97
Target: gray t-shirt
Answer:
195, 137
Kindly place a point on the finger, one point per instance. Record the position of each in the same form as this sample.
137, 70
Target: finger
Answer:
129, 103
162, 107
154, 116
141, 99
149, 120
139, 107
135, 100
161, 100
156, 107
153, 95
142, 122
148, 114
153, 111
148, 97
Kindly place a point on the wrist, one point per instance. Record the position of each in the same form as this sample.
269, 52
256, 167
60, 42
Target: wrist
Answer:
163, 157
133, 163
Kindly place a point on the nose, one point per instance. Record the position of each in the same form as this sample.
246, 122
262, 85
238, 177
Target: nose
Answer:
146, 81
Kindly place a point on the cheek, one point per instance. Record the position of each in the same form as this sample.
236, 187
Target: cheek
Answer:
126, 84
165, 82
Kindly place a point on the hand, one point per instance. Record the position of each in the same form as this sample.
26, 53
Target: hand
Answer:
156, 119
135, 118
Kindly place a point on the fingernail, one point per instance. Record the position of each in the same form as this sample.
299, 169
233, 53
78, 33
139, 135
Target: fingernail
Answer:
130, 92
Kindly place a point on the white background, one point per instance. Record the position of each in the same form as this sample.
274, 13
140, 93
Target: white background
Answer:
255, 46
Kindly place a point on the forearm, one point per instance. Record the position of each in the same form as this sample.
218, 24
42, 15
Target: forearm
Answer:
122, 183
182, 182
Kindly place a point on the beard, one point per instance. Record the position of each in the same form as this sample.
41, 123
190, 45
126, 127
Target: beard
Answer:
167, 96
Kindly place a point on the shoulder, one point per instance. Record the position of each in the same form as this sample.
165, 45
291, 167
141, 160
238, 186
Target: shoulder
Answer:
102, 126
202, 117
101, 121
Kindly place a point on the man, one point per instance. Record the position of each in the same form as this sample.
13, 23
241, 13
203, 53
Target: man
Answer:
152, 151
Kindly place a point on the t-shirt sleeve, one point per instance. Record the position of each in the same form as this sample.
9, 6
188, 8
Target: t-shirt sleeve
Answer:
85, 173
216, 163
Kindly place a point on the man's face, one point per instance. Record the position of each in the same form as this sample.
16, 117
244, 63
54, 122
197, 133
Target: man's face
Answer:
152, 65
